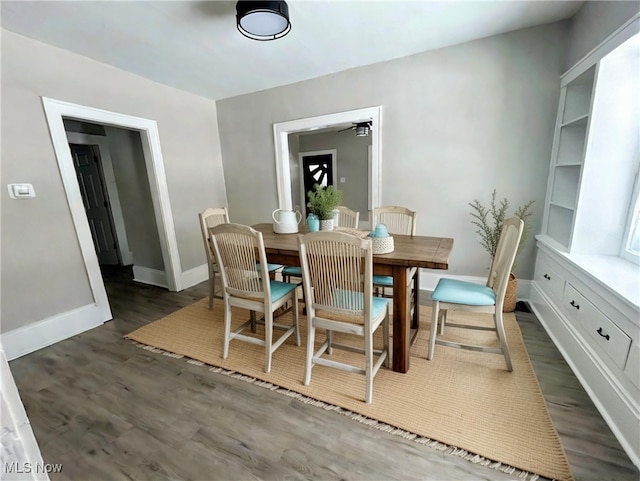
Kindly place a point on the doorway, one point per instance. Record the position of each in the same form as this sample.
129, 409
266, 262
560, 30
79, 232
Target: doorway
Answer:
281, 133
55, 111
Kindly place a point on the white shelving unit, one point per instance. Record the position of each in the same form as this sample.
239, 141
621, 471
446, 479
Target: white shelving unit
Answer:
572, 130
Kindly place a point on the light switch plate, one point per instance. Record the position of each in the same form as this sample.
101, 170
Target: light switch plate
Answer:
21, 191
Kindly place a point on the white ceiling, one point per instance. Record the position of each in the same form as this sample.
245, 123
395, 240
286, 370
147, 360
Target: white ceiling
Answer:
194, 45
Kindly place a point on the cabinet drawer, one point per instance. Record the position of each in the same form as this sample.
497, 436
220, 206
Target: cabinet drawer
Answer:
604, 335
548, 278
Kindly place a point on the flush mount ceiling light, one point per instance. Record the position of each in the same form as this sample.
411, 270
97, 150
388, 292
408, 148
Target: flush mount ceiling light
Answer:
266, 20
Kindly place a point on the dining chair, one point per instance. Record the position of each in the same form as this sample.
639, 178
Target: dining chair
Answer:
347, 217
244, 286
456, 295
402, 221
337, 271
212, 217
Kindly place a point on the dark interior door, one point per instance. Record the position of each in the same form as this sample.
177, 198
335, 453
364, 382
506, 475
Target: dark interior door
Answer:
96, 202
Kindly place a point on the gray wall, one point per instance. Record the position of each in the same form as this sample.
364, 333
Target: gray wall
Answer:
352, 155
42, 268
457, 123
593, 23
134, 192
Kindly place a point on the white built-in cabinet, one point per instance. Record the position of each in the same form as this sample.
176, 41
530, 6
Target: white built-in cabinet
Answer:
585, 295
568, 156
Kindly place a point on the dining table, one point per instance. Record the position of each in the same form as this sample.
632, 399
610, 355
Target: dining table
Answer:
410, 253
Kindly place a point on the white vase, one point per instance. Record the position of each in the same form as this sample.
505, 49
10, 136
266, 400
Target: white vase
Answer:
326, 224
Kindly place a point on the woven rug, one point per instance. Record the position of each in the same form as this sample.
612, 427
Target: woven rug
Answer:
463, 402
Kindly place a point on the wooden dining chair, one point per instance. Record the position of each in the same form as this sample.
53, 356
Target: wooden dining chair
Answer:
456, 295
337, 271
212, 217
347, 217
399, 220
244, 286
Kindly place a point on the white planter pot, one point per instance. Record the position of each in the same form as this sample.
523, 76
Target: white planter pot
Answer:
326, 224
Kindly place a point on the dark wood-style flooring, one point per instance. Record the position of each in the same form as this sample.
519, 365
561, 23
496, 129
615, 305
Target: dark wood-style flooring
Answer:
108, 410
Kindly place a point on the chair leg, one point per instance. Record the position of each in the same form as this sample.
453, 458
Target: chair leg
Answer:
368, 360
212, 288
503, 339
443, 320
330, 340
268, 339
227, 330
311, 336
385, 337
295, 316
434, 328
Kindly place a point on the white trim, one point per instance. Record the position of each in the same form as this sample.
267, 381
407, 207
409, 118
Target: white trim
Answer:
195, 276
32, 337
17, 436
125, 254
154, 277
614, 40
281, 131
334, 166
149, 135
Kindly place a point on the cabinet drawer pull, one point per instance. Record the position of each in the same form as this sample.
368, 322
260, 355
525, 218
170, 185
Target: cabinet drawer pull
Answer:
573, 303
547, 277
599, 331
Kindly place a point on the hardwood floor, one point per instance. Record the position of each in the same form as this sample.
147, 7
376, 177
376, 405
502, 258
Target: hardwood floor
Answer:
108, 410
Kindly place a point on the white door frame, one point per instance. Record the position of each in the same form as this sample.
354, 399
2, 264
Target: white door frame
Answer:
334, 166
282, 130
55, 110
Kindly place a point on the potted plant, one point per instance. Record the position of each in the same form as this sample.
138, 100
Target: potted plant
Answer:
322, 202
489, 222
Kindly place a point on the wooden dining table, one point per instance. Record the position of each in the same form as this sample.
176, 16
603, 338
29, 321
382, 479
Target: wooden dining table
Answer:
409, 254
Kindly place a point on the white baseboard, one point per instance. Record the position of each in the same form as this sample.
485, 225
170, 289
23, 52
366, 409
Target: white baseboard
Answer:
37, 335
195, 276
153, 277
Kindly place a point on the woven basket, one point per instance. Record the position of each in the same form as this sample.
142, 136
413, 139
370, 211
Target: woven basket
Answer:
382, 245
511, 294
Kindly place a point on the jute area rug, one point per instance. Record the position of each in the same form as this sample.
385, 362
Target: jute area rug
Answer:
462, 402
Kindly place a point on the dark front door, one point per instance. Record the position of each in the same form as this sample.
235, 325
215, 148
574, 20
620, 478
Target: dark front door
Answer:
316, 169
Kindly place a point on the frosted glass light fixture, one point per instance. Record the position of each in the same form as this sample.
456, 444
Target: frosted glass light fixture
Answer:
267, 20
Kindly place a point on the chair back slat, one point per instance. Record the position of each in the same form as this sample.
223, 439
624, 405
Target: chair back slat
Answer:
237, 248
399, 220
505, 256
347, 217
338, 268
211, 217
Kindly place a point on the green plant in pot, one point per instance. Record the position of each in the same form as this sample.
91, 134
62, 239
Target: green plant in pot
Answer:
489, 221
322, 202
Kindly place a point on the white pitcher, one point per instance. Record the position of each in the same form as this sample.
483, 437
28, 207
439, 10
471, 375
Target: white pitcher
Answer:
286, 221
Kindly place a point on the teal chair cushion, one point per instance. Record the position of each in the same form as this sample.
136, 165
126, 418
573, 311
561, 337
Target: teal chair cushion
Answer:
293, 271
386, 281
280, 289
347, 299
270, 267
462, 292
